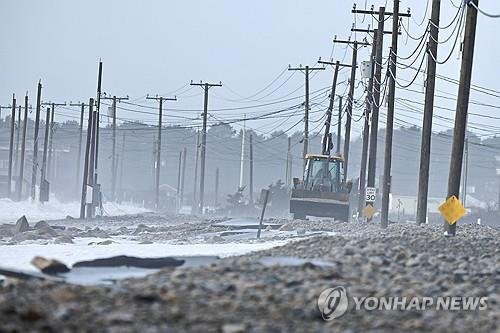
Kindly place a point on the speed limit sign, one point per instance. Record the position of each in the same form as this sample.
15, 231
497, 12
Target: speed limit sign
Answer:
371, 194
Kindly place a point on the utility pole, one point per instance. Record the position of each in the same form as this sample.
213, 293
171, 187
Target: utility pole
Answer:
35, 140
242, 157
463, 95
18, 137
11, 145
288, 156
113, 144
80, 138
366, 130
122, 159
98, 121
327, 137
86, 165
179, 181
92, 185
43, 174
160, 100
466, 172
306, 70
216, 187
250, 189
183, 177
23, 150
51, 134
206, 87
393, 58
197, 156
339, 127
430, 86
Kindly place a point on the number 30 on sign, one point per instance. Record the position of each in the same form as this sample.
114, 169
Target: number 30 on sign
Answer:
371, 194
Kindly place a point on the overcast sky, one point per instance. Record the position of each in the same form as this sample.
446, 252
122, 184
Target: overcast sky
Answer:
157, 46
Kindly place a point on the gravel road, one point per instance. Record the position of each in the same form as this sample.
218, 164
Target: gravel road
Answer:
247, 294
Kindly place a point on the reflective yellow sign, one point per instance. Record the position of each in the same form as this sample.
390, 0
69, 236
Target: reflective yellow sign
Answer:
452, 210
369, 211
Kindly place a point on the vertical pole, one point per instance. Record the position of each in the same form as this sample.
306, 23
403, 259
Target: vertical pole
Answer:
195, 189
11, 146
350, 103
288, 171
18, 137
329, 111
387, 179
372, 157
43, 173
183, 177
122, 159
466, 172
98, 121
35, 141
179, 170
425, 147
113, 153
339, 128
216, 187
158, 158
242, 157
266, 198
250, 188
51, 134
86, 160
462, 108
306, 118
79, 157
91, 167
366, 131
203, 150
23, 150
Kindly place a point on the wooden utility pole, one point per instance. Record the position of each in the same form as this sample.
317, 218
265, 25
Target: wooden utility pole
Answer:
242, 156
96, 139
160, 100
393, 58
179, 176
122, 159
35, 141
183, 177
216, 187
51, 134
80, 138
23, 150
430, 86
113, 144
306, 70
366, 130
250, 188
11, 145
288, 159
457, 150
43, 174
18, 137
196, 158
206, 87
91, 180
339, 127
327, 144
372, 155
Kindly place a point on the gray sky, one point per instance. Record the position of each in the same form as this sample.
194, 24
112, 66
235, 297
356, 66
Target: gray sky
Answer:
156, 47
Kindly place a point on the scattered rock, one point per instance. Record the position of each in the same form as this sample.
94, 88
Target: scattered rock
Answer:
106, 242
234, 328
41, 225
49, 266
63, 240
22, 225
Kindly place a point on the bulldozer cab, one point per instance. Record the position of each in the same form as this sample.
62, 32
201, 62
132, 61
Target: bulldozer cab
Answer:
323, 173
